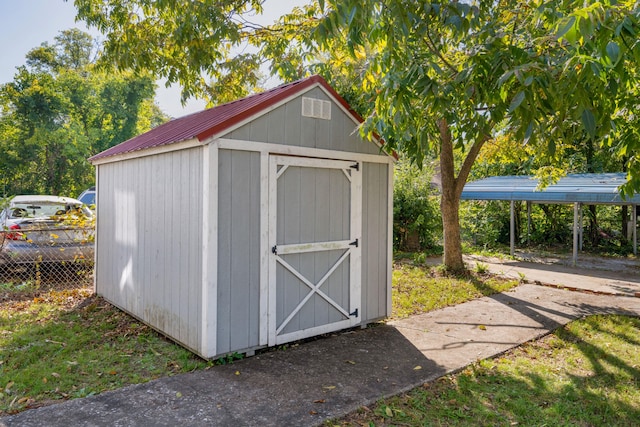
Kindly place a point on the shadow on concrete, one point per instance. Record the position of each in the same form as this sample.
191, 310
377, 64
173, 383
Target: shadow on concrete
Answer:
301, 385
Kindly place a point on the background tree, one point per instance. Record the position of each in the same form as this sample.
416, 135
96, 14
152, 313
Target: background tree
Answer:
59, 110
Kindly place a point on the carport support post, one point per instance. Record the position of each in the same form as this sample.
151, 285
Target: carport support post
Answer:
581, 227
634, 223
528, 221
576, 215
512, 229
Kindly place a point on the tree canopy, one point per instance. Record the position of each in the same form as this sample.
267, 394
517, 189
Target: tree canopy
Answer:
431, 77
59, 110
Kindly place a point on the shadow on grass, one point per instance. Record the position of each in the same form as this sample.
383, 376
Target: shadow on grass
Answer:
573, 377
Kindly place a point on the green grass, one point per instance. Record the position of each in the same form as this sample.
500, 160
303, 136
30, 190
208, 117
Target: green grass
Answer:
585, 374
418, 289
66, 343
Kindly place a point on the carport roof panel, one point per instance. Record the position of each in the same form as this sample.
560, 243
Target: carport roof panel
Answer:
602, 188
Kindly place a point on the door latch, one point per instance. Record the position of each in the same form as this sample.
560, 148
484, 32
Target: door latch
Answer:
274, 250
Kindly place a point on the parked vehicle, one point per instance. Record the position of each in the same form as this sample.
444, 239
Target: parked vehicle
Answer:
88, 197
45, 229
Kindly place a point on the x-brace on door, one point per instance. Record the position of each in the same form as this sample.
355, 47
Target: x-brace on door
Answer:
315, 210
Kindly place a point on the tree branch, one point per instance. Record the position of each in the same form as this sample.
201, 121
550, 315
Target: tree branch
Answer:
468, 162
432, 47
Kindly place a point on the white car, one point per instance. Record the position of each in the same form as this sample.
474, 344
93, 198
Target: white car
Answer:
47, 229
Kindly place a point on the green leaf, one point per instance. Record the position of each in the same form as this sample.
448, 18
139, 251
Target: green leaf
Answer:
567, 29
528, 133
565, 26
517, 100
589, 122
613, 52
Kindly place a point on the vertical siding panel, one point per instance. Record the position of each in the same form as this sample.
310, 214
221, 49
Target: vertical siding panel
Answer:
174, 245
192, 201
323, 203
383, 252
307, 225
375, 234
240, 254
338, 136
239, 251
366, 244
336, 232
276, 124
255, 251
146, 259
224, 250
293, 113
243, 132
258, 129
323, 127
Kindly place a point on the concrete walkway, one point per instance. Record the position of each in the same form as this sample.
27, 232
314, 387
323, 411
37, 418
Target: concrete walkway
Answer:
309, 383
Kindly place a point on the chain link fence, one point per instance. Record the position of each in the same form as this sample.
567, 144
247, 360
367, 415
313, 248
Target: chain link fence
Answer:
46, 252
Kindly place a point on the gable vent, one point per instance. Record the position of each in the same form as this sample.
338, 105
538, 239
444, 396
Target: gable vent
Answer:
316, 108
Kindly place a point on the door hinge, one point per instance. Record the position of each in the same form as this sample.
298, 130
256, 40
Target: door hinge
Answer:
354, 314
354, 243
274, 250
356, 166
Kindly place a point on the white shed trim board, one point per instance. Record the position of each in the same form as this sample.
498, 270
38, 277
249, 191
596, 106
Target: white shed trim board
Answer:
176, 146
209, 249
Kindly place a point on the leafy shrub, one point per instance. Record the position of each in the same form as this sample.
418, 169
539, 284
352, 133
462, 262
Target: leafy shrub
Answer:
416, 209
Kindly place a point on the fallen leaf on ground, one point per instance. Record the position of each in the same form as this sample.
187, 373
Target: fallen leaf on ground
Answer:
417, 368
319, 401
482, 327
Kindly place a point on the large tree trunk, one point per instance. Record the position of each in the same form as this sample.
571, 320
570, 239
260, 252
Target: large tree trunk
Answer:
451, 190
449, 207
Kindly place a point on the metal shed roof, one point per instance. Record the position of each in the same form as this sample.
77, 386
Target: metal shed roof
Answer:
204, 124
601, 188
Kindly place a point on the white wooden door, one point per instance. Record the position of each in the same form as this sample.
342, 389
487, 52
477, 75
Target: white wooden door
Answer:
315, 210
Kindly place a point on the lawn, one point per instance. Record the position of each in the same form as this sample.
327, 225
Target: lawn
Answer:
66, 343
584, 374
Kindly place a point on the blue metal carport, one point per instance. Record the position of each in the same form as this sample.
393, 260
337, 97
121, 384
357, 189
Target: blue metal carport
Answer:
576, 189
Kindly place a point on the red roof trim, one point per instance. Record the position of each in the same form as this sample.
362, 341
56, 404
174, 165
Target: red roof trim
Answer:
204, 124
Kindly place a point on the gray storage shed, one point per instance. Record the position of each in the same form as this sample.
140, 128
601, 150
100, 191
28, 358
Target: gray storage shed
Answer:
258, 222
